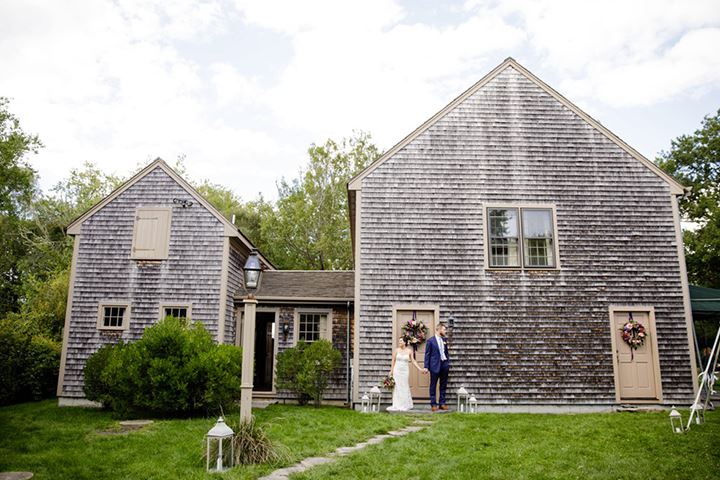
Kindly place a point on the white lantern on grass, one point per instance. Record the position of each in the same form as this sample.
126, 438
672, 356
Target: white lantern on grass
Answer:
699, 409
365, 403
220, 448
676, 421
375, 395
473, 404
462, 399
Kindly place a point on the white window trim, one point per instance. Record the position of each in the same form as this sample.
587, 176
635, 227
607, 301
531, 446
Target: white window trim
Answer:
164, 305
521, 246
321, 311
162, 254
113, 303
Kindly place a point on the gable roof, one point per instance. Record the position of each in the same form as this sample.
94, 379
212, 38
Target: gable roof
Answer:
331, 286
356, 182
230, 230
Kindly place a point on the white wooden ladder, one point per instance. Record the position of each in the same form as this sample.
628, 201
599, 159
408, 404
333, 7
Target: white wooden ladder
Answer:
707, 382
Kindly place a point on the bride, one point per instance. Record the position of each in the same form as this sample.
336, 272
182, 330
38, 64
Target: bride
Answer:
400, 371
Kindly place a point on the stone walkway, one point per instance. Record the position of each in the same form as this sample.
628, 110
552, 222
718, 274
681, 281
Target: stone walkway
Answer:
284, 473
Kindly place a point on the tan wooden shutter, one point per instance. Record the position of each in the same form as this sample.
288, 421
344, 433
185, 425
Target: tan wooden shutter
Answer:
325, 327
151, 236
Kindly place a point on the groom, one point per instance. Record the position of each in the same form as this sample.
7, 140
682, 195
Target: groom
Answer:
437, 361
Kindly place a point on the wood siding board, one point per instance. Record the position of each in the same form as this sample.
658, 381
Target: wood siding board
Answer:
104, 269
512, 142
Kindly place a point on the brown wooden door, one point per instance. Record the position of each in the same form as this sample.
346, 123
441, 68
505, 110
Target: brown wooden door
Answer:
636, 369
419, 383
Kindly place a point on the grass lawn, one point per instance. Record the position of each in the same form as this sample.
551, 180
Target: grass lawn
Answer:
519, 446
64, 443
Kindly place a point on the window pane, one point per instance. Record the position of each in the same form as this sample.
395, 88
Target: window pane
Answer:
177, 312
113, 316
503, 241
538, 238
309, 326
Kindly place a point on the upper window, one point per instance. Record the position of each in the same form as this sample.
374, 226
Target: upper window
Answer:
113, 316
312, 326
521, 237
151, 235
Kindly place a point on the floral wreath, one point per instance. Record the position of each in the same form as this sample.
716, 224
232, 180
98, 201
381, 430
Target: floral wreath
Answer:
414, 332
633, 333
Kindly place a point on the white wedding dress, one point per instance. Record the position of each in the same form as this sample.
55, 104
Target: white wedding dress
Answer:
402, 399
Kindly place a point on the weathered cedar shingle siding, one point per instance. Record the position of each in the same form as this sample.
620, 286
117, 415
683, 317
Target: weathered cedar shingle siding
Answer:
520, 336
235, 282
105, 271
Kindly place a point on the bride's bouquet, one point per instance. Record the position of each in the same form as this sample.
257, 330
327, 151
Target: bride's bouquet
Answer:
389, 382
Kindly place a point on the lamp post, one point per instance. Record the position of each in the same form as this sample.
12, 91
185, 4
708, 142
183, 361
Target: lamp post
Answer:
252, 270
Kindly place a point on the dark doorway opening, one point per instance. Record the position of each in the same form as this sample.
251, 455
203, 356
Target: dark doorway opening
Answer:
265, 337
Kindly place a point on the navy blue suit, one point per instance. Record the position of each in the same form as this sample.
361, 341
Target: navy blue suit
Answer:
439, 369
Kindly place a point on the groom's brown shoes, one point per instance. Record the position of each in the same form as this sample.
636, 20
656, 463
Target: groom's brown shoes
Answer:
433, 408
444, 407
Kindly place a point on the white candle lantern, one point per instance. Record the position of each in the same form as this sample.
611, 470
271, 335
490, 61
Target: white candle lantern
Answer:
676, 421
699, 409
375, 395
220, 448
473, 404
462, 400
365, 403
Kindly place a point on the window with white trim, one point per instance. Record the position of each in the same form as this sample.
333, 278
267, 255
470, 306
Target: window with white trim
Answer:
113, 316
312, 326
521, 237
175, 310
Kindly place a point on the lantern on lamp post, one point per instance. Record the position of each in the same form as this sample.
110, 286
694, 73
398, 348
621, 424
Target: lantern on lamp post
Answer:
252, 270
462, 399
676, 421
375, 396
220, 448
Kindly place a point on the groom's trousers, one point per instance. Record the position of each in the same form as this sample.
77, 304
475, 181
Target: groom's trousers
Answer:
442, 375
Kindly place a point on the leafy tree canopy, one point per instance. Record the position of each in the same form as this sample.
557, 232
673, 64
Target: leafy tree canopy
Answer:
694, 160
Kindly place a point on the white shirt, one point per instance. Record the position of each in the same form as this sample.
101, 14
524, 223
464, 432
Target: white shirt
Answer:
441, 346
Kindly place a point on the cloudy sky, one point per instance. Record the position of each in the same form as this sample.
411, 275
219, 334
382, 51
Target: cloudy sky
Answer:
242, 87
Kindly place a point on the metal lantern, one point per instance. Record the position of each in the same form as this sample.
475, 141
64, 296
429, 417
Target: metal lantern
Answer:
699, 410
375, 395
220, 448
473, 404
365, 403
462, 399
252, 270
676, 421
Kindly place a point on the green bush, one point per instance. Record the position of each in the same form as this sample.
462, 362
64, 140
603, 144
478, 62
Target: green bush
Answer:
29, 363
97, 386
174, 369
306, 369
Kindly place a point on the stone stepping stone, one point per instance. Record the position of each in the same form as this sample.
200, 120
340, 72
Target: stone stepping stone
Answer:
312, 461
15, 475
412, 429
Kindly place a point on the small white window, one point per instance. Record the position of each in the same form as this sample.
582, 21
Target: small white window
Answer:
521, 237
151, 235
113, 316
311, 326
177, 310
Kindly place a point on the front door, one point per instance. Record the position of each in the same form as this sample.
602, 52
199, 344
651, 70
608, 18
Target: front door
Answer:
419, 383
636, 369
265, 335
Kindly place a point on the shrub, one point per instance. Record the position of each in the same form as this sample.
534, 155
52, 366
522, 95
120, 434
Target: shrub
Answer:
306, 369
97, 386
174, 369
29, 363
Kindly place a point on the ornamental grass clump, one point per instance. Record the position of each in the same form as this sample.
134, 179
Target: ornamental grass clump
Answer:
252, 445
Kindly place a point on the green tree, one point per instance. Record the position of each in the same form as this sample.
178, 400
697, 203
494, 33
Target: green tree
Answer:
309, 227
694, 160
17, 190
